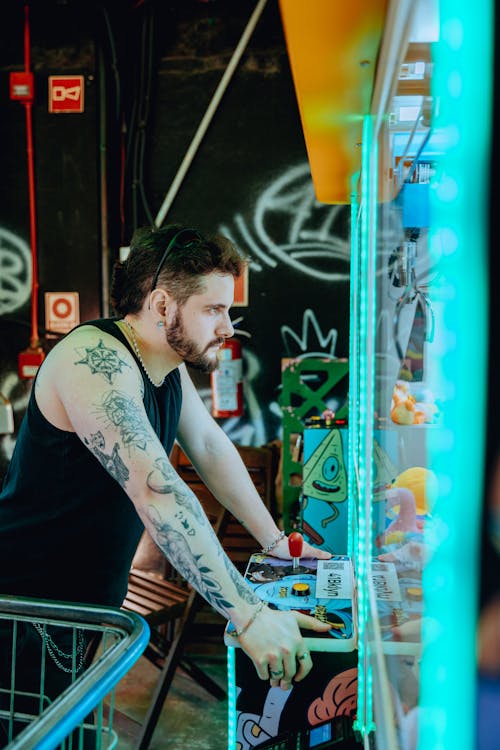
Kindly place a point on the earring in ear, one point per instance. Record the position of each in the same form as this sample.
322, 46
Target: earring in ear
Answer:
160, 324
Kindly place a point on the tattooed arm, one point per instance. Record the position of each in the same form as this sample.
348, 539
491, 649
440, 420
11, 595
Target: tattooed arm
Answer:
90, 384
223, 471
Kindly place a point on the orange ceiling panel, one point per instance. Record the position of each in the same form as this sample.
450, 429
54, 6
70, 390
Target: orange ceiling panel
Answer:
332, 47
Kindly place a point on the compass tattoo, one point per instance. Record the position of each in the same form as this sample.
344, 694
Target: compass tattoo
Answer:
111, 461
102, 360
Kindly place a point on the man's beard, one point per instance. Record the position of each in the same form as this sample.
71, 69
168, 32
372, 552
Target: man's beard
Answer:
188, 350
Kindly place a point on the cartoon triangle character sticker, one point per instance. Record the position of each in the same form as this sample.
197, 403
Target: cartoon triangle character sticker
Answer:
325, 475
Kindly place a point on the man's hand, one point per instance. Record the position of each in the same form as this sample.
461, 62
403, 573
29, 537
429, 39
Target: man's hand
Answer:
281, 550
275, 645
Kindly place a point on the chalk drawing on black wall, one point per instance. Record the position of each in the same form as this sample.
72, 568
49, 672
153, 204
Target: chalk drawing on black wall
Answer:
15, 272
251, 429
299, 252
9, 382
312, 342
291, 227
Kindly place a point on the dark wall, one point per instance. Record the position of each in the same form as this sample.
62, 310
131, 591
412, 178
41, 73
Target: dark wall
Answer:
150, 71
250, 180
66, 184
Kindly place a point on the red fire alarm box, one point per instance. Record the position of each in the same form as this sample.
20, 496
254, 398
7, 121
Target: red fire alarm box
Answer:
21, 86
29, 361
66, 94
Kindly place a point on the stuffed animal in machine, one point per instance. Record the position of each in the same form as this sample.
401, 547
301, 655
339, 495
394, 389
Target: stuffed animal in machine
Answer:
405, 522
410, 407
423, 484
409, 499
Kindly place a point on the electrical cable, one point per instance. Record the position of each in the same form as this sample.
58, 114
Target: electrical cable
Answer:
145, 113
140, 127
121, 189
28, 104
114, 61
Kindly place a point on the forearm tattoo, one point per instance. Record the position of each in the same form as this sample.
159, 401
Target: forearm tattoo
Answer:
242, 588
165, 481
101, 359
189, 565
122, 412
111, 461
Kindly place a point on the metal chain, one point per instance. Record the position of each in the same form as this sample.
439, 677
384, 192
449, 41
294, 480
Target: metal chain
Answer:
53, 648
139, 355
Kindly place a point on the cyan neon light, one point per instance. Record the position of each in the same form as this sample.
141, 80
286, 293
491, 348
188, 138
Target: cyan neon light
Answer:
353, 433
231, 698
366, 405
462, 84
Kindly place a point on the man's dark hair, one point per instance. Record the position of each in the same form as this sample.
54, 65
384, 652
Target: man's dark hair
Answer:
190, 257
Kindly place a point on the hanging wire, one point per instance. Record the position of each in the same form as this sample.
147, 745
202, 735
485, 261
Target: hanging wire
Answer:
114, 62
141, 110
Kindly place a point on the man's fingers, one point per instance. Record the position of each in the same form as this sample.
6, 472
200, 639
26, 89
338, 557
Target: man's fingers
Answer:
311, 623
276, 674
262, 668
290, 668
320, 554
305, 663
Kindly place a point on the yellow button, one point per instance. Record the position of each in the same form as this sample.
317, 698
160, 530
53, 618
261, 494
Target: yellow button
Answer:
300, 589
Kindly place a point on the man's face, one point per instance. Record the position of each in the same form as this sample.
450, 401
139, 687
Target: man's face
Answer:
199, 328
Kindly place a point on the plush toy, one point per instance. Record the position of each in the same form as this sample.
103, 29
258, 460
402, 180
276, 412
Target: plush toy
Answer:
410, 408
423, 484
403, 404
405, 522
409, 498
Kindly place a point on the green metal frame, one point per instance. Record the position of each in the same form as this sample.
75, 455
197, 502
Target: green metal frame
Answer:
312, 401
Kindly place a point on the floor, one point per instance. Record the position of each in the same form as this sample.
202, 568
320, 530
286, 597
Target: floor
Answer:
191, 717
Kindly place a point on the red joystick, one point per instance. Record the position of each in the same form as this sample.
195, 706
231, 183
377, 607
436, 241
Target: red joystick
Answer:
295, 544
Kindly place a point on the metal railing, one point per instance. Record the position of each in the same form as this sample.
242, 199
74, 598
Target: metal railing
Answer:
80, 717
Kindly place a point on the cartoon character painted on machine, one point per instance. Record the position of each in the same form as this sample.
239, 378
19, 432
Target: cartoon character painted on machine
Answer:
339, 698
325, 475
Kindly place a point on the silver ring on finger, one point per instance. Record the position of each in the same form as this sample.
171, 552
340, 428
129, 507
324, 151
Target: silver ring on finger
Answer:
303, 656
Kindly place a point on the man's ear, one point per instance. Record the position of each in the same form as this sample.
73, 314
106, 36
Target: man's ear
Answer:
161, 302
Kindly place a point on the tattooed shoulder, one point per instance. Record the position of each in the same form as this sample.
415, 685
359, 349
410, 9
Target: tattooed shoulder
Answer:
101, 360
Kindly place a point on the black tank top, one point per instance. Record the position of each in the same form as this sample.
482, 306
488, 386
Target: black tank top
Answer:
68, 531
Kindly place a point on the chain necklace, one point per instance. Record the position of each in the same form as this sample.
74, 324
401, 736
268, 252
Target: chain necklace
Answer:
139, 355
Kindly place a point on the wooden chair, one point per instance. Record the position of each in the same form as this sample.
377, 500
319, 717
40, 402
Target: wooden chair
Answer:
168, 604
261, 464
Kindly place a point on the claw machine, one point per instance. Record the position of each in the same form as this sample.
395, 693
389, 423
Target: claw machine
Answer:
419, 353
395, 103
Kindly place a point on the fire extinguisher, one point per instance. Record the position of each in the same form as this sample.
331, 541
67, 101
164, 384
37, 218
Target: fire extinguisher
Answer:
227, 381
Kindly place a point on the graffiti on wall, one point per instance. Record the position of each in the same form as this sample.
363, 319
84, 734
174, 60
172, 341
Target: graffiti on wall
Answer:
15, 290
18, 397
251, 428
289, 226
285, 230
15, 272
311, 342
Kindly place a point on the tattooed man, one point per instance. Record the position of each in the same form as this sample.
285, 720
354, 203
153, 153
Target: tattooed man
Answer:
91, 463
